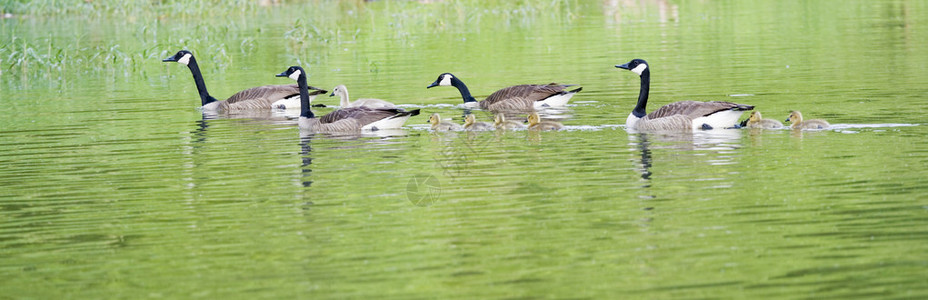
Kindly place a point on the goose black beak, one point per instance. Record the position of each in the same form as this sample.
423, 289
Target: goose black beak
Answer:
787, 120
169, 59
332, 94
623, 66
284, 74
434, 84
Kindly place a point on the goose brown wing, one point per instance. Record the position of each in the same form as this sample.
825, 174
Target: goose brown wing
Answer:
364, 115
531, 92
694, 109
271, 93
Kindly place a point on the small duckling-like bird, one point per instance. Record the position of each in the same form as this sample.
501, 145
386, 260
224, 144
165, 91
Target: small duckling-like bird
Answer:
535, 123
470, 123
500, 122
796, 118
757, 121
439, 125
345, 102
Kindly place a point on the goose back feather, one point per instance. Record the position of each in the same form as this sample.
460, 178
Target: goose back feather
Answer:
519, 98
524, 97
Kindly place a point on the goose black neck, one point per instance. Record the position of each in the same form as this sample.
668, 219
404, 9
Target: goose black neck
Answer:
639, 110
205, 98
305, 106
465, 93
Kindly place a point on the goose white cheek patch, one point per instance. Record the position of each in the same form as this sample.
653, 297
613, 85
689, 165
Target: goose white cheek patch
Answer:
185, 60
445, 80
295, 75
639, 69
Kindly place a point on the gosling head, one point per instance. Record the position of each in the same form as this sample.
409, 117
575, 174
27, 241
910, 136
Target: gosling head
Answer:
794, 116
533, 118
637, 65
294, 72
434, 119
338, 90
469, 119
182, 57
499, 119
755, 117
443, 80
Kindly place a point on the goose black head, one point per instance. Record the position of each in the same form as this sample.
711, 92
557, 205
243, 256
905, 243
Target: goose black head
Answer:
636, 65
182, 57
443, 80
293, 72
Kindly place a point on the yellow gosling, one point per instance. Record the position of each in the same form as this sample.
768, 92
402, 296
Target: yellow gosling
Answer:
470, 123
439, 125
500, 122
535, 123
757, 121
796, 118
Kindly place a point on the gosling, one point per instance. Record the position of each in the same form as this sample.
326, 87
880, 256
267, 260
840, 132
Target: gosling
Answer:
756, 121
500, 122
535, 123
796, 118
439, 125
470, 123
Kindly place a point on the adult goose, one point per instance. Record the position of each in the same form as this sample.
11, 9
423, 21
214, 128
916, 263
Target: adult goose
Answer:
683, 115
526, 97
342, 92
796, 118
344, 119
262, 97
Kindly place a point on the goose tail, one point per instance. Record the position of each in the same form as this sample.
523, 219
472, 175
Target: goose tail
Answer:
742, 107
414, 112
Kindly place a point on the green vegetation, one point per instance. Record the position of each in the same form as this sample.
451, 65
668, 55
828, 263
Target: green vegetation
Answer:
47, 38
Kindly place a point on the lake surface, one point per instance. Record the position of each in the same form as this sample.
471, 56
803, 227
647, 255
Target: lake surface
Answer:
114, 184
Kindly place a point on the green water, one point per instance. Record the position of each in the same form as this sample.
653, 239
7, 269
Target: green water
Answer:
115, 186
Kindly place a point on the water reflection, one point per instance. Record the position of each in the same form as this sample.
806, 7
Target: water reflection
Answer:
306, 150
623, 10
716, 139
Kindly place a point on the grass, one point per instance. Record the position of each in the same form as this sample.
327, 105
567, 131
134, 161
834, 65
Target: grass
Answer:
57, 38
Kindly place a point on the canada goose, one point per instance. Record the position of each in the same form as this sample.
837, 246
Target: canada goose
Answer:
470, 123
262, 97
500, 122
757, 121
678, 115
796, 118
439, 125
526, 97
342, 93
344, 119
535, 123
